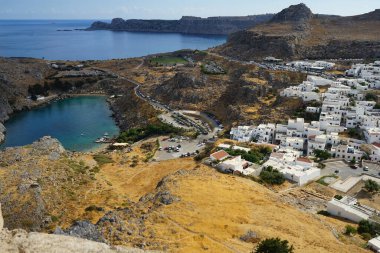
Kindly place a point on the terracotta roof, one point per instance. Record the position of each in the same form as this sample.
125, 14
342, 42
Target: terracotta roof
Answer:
220, 155
376, 144
304, 159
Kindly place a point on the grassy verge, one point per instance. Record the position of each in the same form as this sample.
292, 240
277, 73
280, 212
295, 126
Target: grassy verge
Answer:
167, 60
102, 159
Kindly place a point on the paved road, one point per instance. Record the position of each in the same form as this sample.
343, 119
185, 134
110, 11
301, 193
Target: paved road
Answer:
345, 171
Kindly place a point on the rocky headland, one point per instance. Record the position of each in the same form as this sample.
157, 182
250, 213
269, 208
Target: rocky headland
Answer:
297, 33
186, 25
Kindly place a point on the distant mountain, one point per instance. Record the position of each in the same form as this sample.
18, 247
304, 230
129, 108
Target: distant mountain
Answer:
297, 33
187, 25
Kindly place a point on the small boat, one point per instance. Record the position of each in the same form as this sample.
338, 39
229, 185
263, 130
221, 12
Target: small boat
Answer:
103, 140
82, 134
106, 134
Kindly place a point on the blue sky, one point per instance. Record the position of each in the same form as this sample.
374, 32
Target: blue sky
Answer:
168, 9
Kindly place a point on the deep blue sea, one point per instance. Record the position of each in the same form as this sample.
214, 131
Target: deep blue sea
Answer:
40, 39
76, 122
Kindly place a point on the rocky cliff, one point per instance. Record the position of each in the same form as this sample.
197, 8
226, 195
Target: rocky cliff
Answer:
297, 33
187, 25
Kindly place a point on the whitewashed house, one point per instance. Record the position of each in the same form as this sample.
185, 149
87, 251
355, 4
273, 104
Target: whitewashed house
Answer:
349, 208
242, 133
372, 134
347, 152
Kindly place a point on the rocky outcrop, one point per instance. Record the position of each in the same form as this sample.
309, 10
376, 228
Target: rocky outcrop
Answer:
297, 33
19, 240
294, 13
2, 131
187, 25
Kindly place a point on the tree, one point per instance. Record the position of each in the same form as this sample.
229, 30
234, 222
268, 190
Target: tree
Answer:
274, 245
365, 227
371, 97
272, 176
322, 154
371, 186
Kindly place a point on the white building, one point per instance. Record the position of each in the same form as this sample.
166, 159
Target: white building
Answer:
375, 152
294, 168
264, 133
374, 244
242, 133
316, 142
349, 208
219, 156
372, 135
347, 152
236, 165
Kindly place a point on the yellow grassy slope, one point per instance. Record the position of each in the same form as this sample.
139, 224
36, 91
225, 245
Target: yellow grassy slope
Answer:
216, 209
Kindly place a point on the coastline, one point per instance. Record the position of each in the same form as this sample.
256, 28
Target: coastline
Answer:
54, 98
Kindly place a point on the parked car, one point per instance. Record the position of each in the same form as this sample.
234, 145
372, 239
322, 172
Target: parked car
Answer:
336, 172
366, 168
354, 167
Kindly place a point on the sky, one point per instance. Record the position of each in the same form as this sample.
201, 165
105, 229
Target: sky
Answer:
169, 9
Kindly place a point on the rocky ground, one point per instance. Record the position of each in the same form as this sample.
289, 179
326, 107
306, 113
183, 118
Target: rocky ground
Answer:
297, 33
177, 205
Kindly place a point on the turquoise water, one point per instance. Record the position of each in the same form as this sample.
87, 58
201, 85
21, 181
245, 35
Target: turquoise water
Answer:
76, 122
40, 39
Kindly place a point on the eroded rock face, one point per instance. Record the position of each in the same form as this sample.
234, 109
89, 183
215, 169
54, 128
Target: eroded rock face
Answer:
19, 240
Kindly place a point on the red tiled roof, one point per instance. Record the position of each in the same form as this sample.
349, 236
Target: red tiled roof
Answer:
376, 144
220, 155
304, 159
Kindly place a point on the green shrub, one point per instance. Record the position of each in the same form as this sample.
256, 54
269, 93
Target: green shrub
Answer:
366, 236
322, 154
253, 156
274, 245
102, 159
350, 230
371, 186
272, 176
338, 197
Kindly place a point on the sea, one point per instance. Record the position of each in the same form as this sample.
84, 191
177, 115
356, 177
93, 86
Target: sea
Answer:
59, 40
78, 122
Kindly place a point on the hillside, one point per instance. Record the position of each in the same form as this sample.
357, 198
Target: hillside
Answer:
297, 33
186, 25
181, 208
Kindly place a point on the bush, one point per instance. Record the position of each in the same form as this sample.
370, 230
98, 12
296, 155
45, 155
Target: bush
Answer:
94, 208
272, 176
324, 213
371, 97
365, 227
274, 245
350, 230
253, 156
371, 186
366, 236
102, 159
338, 197
322, 154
